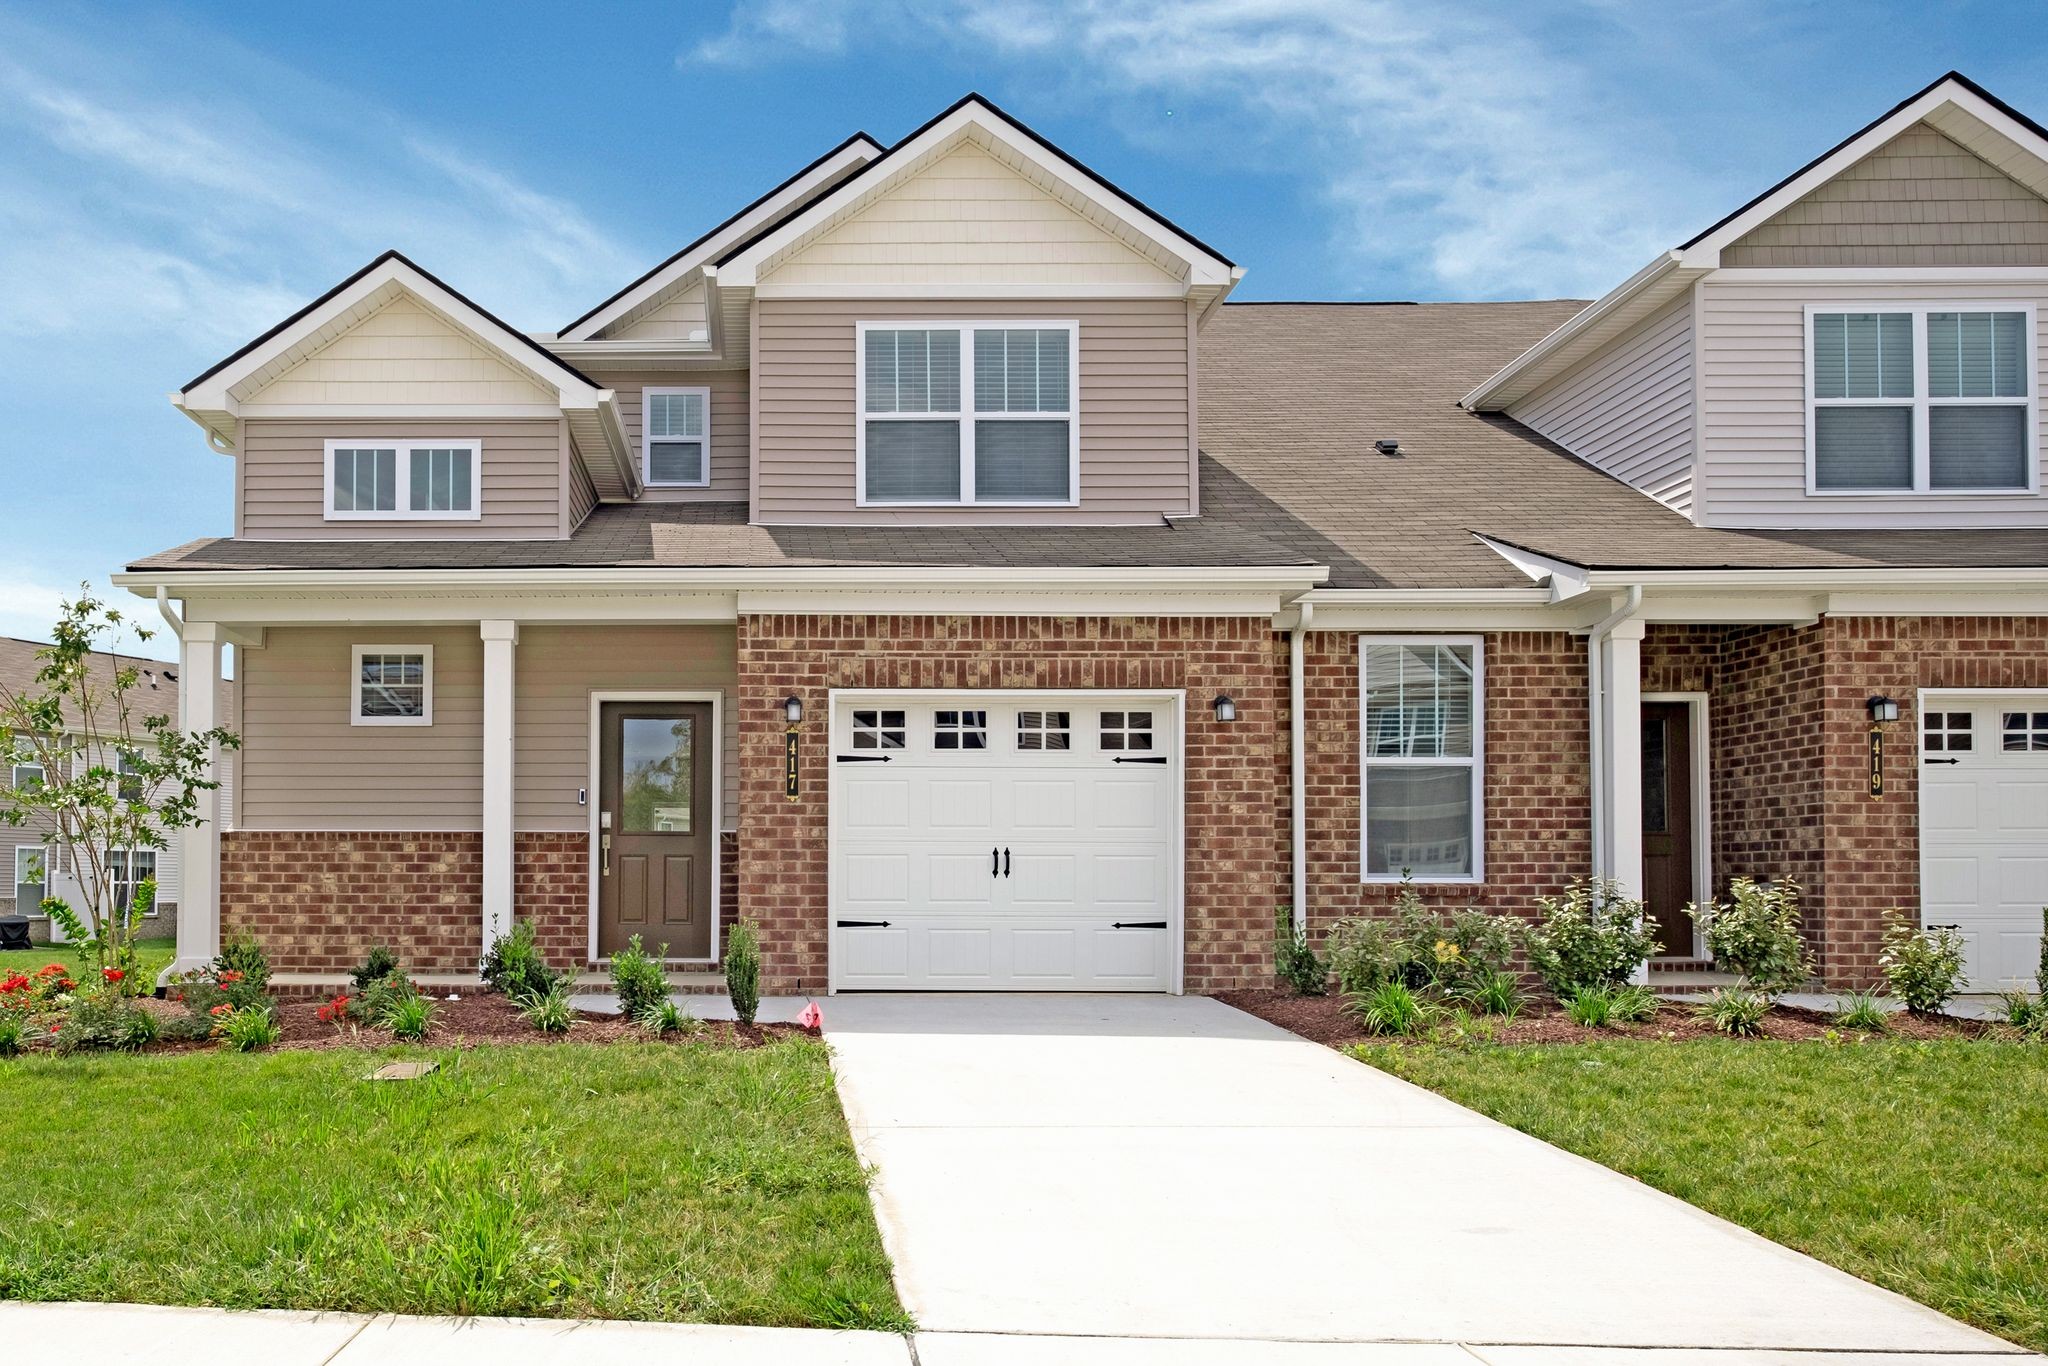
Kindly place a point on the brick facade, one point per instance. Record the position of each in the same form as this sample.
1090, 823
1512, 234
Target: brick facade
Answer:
1231, 872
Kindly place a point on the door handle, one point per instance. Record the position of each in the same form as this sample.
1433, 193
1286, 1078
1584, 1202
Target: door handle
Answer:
606, 843
1006, 863
994, 864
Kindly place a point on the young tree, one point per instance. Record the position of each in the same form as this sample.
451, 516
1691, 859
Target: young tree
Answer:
113, 778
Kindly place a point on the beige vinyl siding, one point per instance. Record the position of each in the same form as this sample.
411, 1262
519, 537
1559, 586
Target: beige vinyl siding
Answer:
1628, 408
283, 471
963, 222
402, 353
557, 670
304, 766
1920, 200
582, 495
1135, 397
680, 317
728, 427
1752, 378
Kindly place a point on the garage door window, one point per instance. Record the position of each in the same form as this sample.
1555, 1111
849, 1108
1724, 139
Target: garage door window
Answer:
878, 730
1946, 732
2026, 732
960, 730
1044, 730
1421, 761
1127, 730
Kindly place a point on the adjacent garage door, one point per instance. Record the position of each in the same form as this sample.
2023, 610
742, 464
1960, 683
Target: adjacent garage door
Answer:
1005, 841
1984, 828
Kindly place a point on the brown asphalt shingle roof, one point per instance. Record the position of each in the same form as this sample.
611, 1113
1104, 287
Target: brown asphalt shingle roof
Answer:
155, 693
1293, 396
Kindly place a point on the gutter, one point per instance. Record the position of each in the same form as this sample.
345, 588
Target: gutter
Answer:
177, 625
1178, 578
1596, 638
1297, 753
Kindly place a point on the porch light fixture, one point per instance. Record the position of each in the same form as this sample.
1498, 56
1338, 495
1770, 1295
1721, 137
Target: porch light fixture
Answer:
1882, 709
793, 709
1226, 709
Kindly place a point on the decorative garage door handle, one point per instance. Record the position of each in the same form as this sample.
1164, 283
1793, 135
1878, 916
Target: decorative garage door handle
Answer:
1138, 925
1143, 759
995, 863
863, 758
1006, 863
862, 924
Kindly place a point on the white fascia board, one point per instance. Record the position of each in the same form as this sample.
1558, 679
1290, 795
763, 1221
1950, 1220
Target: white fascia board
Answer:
1947, 92
855, 153
1976, 579
1563, 579
1635, 298
1204, 268
512, 347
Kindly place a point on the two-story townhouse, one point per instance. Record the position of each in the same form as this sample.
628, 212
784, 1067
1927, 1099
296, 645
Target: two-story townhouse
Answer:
929, 565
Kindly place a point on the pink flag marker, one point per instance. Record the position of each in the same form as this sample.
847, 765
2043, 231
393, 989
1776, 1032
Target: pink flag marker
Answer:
809, 1017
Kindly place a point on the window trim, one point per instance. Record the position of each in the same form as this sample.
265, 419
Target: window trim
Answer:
405, 446
127, 877
647, 395
355, 689
1476, 762
44, 852
1922, 486
966, 415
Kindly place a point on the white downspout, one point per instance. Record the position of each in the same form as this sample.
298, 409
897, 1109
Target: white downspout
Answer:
1631, 603
1297, 753
177, 625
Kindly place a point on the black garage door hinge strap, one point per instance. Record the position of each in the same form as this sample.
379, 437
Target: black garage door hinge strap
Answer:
1144, 759
1138, 925
862, 924
862, 758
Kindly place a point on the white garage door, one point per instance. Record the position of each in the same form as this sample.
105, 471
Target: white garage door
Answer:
1984, 829
1005, 841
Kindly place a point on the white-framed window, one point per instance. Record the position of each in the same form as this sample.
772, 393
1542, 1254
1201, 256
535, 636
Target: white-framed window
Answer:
1422, 770
127, 779
2023, 732
879, 730
126, 869
26, 775
675, 437
1945, 731
1126, 730
1045, 730
1921, 399
393, 685
31, 878
959, 729
418, 479
967, 413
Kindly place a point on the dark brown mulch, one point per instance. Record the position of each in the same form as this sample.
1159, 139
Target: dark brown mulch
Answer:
484, 1018
1322, 1019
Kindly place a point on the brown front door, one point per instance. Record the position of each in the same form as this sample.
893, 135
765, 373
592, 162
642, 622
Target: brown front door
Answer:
655, 826
1667, 824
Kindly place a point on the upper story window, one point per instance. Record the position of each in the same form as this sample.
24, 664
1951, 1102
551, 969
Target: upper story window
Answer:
394, 685
675, 447
966, 413
1922, 400
384, 480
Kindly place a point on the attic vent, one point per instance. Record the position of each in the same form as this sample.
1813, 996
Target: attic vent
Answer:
1387, 447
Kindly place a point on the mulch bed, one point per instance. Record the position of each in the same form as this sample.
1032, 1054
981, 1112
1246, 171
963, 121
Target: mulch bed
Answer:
1322, 1019
482, 1018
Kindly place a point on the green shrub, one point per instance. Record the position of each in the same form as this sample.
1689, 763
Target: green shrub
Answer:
245, 956
743, 972
1591, 936
1862, 1010
409, 1017
1300, 966
1923, 966
514, 965
1363, 953
1635, 1003
13, 1032
381, 962
1392, 1008
247, 1030
548, 1011
637, 978
1736, 1010
102, 1021
666, 1017
374, 1000
1420, 947
1755, 934
1494, 993
1590, 1006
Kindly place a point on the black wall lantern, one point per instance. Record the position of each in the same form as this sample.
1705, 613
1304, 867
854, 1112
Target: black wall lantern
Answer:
1882, 709
793, 709
1226, 709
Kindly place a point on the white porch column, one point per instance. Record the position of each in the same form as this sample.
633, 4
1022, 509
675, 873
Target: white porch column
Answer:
501, 639
199, 847
1622, 667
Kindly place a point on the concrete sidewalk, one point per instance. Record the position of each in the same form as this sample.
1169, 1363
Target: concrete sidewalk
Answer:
150, 1335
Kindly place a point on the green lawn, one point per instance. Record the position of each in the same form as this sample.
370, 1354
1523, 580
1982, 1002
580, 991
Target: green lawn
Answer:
639, 1181
156, 955
1920, 1166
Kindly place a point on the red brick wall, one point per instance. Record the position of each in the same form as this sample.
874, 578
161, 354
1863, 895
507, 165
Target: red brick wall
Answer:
1230, 795
1538, 831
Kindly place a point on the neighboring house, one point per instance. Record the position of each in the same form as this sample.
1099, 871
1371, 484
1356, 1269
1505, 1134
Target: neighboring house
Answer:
32, 851
1119, 616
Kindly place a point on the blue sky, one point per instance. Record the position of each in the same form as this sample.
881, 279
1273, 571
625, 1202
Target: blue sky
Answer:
173, 180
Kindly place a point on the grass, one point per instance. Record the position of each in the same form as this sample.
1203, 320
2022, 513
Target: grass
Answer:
635, 1181
1919, 1166
156, 955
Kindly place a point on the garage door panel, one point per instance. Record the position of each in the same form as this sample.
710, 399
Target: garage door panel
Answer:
1129, 955
1950, 880
1984, 836
874, 954
957, 881
1130, 806
961, 804
2022, 882
2022, 806
1129, 882
1048, 954
960, 955
871, 880
876, 804
1948, 804
1041, 805
1043, 880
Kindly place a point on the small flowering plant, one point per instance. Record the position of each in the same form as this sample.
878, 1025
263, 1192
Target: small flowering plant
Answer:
44, 989
335, 1012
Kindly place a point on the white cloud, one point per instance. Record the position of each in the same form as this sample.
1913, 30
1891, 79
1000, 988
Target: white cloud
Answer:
29, 608
1454, 147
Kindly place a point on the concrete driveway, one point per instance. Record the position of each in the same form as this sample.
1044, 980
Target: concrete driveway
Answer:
1173, 1168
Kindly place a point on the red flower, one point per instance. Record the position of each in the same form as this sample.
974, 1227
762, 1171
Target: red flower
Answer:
229, 976
112, 974
221, 1009
51, 970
